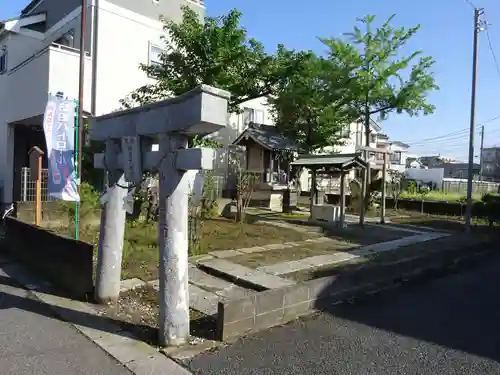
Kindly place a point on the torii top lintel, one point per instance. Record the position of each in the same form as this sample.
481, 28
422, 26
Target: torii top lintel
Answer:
200, 111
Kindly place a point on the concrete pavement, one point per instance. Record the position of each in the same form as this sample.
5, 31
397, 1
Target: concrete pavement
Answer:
445, 326
31, 342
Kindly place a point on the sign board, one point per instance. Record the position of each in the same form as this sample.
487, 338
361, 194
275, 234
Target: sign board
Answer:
131, 150
59, 128
34, 154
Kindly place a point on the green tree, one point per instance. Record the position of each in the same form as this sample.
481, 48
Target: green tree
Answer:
215, 52
381, 80
309, 107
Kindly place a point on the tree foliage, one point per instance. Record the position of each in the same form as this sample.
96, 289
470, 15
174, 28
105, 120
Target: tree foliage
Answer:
381, 80
214, 52
309, 107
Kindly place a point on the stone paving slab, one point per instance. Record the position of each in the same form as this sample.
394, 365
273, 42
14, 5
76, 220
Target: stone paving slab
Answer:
285, 267
276, 246
130, 284
225, 253
199, 258
324, 260
250, 250
216, 285
344, 256
394, 244
199, 299
399, 228
248, 275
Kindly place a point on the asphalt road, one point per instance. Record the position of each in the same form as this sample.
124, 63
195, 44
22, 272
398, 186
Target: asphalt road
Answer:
31, 342
449, 325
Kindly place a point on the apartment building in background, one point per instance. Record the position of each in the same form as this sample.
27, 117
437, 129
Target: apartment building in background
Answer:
39, 54
490, 164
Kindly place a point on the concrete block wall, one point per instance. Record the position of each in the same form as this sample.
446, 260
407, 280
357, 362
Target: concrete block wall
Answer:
279, 306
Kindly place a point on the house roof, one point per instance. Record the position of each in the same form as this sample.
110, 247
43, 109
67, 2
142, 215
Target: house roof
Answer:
29, 7
338, 161
375, 125
400, 144
268, 137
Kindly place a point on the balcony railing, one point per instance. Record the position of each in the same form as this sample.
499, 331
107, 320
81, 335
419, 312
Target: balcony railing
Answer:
41, 52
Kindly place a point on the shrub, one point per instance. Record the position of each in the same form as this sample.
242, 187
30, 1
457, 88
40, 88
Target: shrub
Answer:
89, 203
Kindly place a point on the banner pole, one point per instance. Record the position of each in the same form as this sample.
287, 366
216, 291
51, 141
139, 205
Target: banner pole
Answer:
77, 170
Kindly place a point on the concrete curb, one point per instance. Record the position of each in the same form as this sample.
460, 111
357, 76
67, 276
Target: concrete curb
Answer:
137, 356
278, 306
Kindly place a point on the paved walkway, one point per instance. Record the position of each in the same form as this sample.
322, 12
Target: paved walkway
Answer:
33, 341
449, 326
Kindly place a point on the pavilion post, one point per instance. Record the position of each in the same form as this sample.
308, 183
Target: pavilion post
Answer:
384, 188
342, 198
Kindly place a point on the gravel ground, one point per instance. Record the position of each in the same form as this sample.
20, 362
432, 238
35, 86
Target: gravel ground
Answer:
446, 326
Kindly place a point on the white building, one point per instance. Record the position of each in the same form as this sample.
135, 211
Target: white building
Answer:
39, 54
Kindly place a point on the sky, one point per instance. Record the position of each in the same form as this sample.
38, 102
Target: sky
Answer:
446, 34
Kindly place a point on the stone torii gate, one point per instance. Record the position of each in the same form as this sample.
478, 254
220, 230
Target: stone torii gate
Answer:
168, 123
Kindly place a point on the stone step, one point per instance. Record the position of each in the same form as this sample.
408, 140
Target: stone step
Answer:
242, 275
218, 286
199, 299
205, 290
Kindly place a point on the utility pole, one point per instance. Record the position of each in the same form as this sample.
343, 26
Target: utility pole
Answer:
477, 25
81, 81
481, 155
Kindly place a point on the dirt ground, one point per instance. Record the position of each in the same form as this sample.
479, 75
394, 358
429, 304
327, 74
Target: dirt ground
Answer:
138, 311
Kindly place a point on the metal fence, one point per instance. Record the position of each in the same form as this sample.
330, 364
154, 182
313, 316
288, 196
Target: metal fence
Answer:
28, 186
459, 186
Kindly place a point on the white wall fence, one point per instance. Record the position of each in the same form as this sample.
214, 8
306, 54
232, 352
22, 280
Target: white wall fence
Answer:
28, 186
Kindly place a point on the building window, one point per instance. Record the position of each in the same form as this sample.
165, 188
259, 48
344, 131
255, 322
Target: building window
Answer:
154, 56
396, 157
3, 60
345, 132
155, 52
373, 138
251, 115
67, 39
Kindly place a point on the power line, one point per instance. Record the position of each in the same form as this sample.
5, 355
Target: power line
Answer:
440, 140
435, 138
471, 4
452, 134
495, 60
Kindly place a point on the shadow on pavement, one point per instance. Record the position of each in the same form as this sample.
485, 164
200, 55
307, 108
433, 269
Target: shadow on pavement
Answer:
460, 311
98, 322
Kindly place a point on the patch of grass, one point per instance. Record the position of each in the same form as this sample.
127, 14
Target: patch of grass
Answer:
141, 249
223, 234
436, 195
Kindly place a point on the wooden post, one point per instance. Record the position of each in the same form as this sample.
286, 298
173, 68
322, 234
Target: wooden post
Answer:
312, 192
342, 198
385, 152
35, 157
384, 182
38, 202
364, 189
